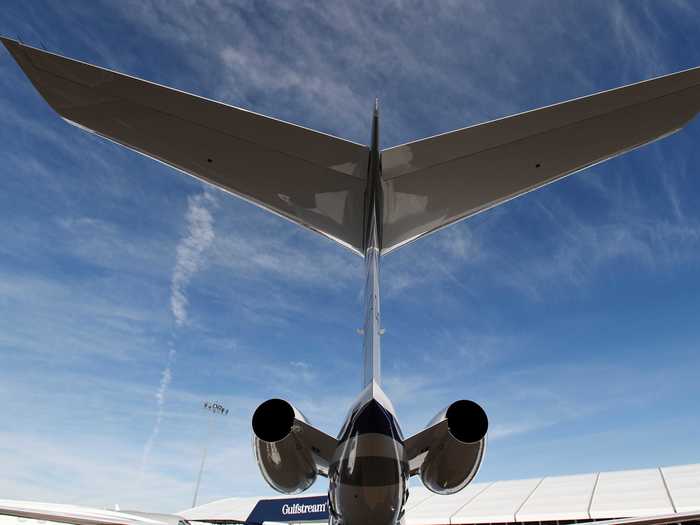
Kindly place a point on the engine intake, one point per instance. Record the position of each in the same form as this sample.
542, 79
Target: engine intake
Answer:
273, 420
455, 456
283, 457
466, 421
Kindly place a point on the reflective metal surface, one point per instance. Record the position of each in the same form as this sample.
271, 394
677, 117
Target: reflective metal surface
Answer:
311, 178
368, 477
450, 464
281, 451
431, 183
289, 451
286, 465
324, 182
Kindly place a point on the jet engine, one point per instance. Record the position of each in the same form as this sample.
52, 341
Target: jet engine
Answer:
456, 448
283, 455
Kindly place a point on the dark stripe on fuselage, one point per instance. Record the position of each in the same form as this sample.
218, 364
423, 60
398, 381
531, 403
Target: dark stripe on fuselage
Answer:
372, 418
370, 471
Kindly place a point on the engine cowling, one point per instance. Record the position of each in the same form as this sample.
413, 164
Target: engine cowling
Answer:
455, 456
284, 460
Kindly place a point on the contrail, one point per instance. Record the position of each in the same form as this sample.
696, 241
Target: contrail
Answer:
200, 234
165, 379
188, 260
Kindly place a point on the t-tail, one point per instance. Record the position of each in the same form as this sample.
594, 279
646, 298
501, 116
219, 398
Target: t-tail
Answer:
372, 202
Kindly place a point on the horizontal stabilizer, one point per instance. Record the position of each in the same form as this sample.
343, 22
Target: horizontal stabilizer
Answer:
311, 178
319, 181
434, 182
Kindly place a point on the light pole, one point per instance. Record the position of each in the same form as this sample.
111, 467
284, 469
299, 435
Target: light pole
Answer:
213, 409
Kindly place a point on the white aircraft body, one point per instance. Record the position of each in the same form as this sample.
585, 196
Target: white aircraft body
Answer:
372, 202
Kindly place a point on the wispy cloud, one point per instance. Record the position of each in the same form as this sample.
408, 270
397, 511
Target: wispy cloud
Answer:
188, 259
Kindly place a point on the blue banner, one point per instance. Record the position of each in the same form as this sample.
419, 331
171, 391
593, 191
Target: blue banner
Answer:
310, 508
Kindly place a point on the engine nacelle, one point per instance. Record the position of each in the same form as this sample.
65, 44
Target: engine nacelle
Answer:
455, 456
284, 460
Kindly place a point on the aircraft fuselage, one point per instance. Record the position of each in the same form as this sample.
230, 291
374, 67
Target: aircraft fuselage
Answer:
369, 473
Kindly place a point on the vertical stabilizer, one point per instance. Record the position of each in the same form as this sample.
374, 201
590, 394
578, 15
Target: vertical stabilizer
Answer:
372, 247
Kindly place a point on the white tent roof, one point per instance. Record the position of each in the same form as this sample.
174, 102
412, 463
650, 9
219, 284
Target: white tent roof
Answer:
629, 494
683, 485
427, 514
559, 498
498, 503
622, 494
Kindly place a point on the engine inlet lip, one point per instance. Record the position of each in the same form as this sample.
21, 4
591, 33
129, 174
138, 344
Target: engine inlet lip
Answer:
273, 420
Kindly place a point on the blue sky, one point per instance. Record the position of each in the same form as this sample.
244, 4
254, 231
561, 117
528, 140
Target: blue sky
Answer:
129, 293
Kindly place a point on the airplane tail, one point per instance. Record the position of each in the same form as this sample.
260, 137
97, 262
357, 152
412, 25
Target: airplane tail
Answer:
369, 201
322, 182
